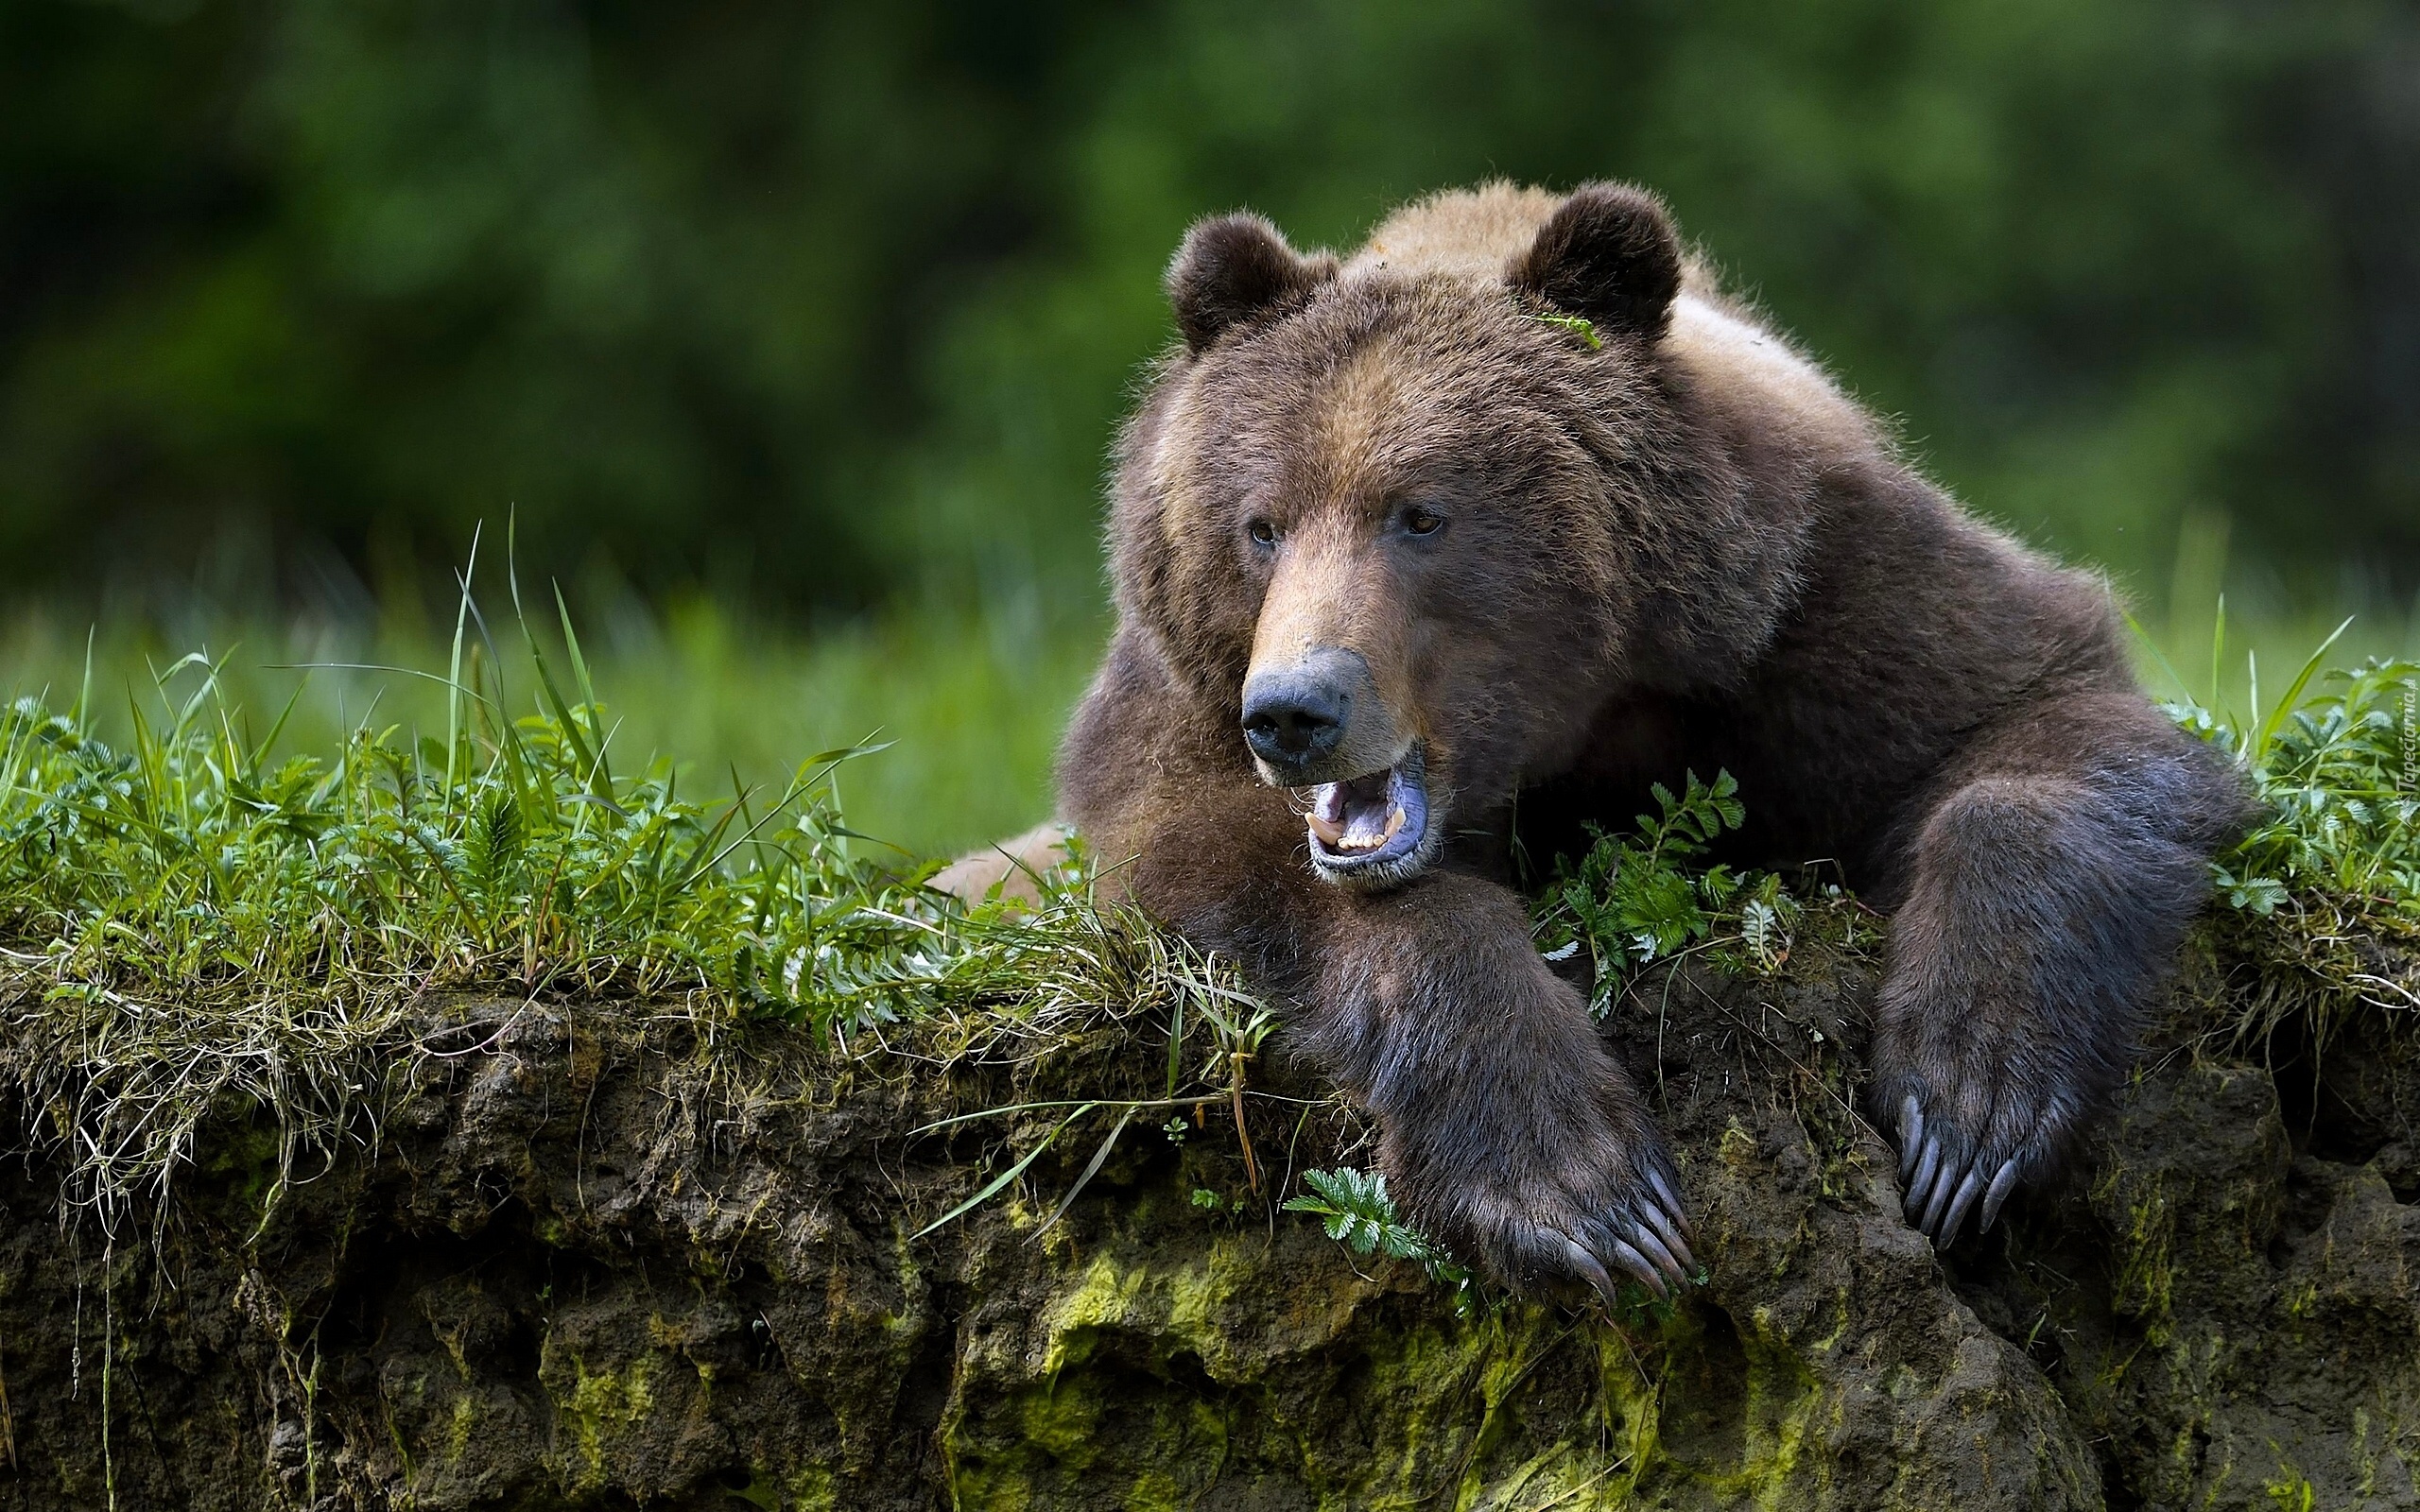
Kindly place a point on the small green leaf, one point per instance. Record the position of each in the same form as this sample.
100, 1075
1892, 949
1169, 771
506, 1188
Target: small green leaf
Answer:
1577, 325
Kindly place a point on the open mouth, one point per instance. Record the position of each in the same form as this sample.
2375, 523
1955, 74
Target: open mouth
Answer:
1371, 821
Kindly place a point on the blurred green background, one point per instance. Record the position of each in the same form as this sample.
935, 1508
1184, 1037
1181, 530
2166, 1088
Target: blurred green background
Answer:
789, 338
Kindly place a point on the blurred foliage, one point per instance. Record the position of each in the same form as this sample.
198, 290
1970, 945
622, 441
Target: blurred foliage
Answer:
832, 305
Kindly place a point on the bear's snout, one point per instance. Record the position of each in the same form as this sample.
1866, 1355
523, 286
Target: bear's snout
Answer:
1308, 721
1317, 726
1293, 717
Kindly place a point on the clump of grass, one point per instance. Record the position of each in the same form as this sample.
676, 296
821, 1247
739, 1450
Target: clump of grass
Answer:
973, 700
2322, 894
2337, 775
191, 865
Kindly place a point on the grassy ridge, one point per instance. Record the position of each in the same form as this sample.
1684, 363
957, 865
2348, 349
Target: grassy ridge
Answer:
484, 819
187, 911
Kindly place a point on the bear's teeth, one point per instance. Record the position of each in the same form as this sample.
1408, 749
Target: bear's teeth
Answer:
1362, 834
1344, 819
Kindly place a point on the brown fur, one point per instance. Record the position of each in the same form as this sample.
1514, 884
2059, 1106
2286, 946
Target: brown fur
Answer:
1684, 548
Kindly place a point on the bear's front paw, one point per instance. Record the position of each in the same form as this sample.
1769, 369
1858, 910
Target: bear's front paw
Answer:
1973, 1125
1581, 1209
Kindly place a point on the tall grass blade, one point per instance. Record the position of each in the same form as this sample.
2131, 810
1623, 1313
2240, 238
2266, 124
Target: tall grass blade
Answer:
1004, 1178
81, 716
587, 688
260, 752
2152, 647
2292, 696
454, 670
1100, 1157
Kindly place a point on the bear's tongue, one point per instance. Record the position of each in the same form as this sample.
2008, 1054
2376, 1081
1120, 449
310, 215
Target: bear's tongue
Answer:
1362, 815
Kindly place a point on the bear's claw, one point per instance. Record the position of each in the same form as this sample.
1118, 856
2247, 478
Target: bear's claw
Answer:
1628, 1244
1646, 1241
1588, 1268
1945, 1176
2002, 1184
1669, 1211
1912, 1135
1638, 1266
1644, 1236
1632, 1238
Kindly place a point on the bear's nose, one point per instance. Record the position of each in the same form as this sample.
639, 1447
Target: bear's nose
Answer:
1294, 718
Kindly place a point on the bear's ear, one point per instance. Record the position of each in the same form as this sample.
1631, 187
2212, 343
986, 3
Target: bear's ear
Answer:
1233, 267
1610, 254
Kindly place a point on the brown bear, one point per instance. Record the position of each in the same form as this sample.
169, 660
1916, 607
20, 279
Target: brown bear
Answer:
1513, 502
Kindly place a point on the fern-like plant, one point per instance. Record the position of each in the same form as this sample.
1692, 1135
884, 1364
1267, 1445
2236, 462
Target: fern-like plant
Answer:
1353, 1208
1645, 895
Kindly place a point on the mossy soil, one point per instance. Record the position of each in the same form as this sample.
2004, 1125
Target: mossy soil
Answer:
612, 1255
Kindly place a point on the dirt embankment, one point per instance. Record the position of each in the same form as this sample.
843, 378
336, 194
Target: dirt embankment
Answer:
594, 1260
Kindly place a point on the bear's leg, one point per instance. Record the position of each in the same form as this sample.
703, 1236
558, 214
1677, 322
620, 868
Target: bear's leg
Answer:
1505, 1128
2049, 889
1011, 869
1505, 1131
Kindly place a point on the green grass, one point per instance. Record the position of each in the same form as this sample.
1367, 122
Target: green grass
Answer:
969, 707
2322, 895
192, 909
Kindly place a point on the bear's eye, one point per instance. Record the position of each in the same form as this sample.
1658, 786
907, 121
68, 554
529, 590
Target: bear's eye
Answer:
1262, 532
1420, 521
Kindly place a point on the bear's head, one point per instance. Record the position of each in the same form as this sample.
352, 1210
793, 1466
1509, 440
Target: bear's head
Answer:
1410, 521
